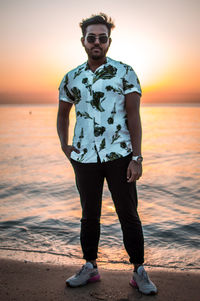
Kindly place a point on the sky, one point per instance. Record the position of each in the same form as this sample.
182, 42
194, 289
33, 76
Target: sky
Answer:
40, 43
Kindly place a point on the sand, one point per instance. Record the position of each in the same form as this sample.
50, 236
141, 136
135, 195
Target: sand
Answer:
27, 281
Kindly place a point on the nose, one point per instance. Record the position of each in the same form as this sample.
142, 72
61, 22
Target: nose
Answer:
96, 40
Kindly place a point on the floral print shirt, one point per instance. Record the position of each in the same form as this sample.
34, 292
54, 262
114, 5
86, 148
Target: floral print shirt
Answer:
99, 99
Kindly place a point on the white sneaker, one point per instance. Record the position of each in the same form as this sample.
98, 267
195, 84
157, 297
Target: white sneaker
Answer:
142, 281
86, 274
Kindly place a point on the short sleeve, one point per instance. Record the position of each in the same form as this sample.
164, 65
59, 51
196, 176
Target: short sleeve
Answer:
131, 82
64, 93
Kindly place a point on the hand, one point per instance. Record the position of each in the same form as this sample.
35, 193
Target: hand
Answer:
134, 171
67, 149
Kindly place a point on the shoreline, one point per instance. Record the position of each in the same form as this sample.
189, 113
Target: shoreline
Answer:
41, 281
58, 259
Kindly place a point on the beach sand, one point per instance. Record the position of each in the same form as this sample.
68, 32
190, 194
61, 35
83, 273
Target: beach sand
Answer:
27, 281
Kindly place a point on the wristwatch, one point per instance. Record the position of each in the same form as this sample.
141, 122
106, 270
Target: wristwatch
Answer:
138, 159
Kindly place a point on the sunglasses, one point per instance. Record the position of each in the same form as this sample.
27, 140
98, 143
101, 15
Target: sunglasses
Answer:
102, 39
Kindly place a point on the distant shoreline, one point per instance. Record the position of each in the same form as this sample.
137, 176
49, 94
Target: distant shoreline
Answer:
170, 104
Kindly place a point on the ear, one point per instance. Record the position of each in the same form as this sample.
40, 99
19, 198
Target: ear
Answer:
110, 41
82, 41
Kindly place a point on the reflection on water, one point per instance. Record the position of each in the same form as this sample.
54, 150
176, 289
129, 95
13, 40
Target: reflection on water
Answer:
40, 211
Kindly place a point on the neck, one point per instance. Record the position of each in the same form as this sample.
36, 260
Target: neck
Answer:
94, 64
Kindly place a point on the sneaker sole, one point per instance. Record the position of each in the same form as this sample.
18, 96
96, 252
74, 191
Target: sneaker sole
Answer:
94, 279
133, 283
91, 280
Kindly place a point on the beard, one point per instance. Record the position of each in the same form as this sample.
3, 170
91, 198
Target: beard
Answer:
96, 53
97, 56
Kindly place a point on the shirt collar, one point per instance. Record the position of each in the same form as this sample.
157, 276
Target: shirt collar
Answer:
88, 68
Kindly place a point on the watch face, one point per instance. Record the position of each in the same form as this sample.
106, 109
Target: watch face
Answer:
137, 159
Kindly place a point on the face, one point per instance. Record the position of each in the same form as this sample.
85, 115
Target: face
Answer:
96, 48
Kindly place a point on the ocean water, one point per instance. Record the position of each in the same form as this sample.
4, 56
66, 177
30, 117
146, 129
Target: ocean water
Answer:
39, 204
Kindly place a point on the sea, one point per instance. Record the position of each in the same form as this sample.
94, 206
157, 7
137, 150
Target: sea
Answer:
39, 204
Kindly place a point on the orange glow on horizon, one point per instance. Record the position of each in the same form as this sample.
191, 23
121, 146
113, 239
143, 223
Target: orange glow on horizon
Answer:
36, 55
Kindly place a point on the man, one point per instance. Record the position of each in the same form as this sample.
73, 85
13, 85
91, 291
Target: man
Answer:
106, 144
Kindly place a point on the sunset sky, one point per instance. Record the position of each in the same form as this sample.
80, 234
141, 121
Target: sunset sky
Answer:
40, 42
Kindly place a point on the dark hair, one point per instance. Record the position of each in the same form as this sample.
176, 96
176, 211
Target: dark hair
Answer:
97, 19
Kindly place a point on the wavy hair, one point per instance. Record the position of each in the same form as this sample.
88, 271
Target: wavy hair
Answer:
101, 18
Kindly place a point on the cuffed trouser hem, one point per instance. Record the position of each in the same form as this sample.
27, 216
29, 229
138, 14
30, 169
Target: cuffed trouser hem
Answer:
90, 258
136, 261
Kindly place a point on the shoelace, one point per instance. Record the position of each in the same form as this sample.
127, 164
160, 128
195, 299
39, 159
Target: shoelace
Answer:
81, 270
145, 277
84, 267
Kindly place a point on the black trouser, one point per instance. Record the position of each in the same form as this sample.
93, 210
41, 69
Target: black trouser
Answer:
89, 181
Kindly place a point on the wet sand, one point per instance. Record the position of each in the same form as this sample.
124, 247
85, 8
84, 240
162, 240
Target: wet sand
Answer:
27, 281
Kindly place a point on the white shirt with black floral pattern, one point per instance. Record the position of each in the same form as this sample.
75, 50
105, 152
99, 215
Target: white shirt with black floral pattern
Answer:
99, 99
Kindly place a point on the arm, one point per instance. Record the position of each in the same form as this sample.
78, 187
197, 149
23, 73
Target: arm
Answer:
132, 105
63, 127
